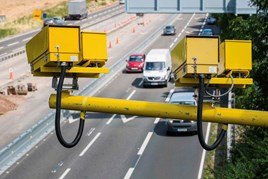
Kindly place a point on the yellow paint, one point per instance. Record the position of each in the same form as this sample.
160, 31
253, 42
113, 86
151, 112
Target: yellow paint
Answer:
204, 49
162, 110
94, 46
83, 115
42, 48
86, 52
235, 55
221, 82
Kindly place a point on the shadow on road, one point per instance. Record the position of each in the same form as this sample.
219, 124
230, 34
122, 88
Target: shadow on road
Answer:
161, 130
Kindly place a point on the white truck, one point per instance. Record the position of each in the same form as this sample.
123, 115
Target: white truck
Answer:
77, 9
157, 68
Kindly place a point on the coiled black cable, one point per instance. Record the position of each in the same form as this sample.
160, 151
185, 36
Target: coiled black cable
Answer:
58, 111
199, 119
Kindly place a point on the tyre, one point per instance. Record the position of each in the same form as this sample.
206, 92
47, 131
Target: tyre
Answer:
169, 133
165, 85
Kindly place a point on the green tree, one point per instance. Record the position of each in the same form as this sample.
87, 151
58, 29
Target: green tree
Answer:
250, 153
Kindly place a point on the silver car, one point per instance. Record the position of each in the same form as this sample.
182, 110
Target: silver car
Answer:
211, 20
169, 30
182, 97
207, 32
54, 21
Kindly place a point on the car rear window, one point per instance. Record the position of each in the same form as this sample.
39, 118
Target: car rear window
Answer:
183, 98
135, 59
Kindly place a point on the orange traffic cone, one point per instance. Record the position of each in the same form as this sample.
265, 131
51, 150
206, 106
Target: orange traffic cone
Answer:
117, 40
11, 76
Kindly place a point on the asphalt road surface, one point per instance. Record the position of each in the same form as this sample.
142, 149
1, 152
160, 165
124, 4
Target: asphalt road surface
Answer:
115, 146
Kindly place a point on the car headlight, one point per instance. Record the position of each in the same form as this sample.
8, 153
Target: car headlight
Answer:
163, 77
140, 65
171, 121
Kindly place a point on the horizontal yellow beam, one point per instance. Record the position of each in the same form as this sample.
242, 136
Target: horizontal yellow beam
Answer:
223, 82
162, 110
75, 70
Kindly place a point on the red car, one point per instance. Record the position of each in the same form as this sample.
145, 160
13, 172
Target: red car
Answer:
135, 63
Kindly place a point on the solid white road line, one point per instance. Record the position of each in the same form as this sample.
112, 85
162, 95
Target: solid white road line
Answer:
12, 44
65, 173
171, 45
131, 94
146, 141
129, 173
156, 120
89, 145
203, 154
26, 39
110, 120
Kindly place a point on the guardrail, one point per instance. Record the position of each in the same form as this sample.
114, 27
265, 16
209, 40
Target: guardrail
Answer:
25, 142
12, 54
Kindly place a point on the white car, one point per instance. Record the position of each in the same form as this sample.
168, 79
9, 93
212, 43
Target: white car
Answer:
122, 1
157, 68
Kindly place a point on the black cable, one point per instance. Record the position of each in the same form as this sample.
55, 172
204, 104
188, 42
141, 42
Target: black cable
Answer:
199, 119
57, 117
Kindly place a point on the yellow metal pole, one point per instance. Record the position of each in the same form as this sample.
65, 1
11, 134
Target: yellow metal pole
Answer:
162, 110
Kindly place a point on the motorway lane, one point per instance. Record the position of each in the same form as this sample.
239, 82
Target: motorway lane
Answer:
11, 44
19, 63
21, 171
115, 149
15, 119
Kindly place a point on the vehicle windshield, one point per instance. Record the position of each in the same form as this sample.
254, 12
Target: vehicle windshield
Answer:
169, 27
183, 98
154, 66
135, 59
207, 30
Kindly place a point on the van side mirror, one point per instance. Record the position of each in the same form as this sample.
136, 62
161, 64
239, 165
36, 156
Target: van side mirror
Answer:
168, 68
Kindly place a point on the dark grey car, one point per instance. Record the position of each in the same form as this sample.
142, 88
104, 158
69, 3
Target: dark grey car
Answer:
182, 97
169, 30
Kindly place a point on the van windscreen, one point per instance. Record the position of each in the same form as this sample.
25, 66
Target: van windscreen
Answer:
155, 65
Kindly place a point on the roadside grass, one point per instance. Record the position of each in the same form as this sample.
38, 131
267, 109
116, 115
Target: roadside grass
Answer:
6, 32
208, 171
27, 23
58, 11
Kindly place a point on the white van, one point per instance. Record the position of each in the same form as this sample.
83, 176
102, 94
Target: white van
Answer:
157, 68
